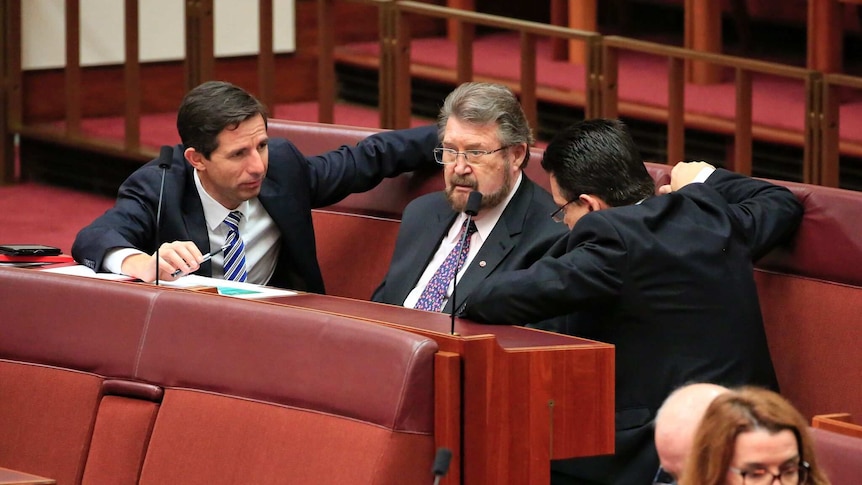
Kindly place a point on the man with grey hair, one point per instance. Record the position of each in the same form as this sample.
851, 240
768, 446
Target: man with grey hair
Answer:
485, 140
676, 424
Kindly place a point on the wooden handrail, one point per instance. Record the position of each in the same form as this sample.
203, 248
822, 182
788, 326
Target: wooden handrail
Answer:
820, 138
744, 68
841, 423
465, 22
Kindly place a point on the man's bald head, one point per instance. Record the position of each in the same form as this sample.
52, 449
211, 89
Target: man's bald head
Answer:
677, 421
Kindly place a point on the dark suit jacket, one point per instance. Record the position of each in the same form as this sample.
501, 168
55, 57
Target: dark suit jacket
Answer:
523, 234
294, 185
669, 282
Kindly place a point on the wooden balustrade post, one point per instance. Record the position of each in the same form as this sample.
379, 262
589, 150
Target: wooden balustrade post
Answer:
200, 43
266, 56
7, 142
582, 16
814, 118
453, 27
386, 82
825, 35
829, 139
703, 33
742, 133
675, 111
73, 67
132, 77
400, 99
325, 62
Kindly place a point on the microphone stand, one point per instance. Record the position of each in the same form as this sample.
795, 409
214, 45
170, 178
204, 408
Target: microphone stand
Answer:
474, 200
457, 270
164, 162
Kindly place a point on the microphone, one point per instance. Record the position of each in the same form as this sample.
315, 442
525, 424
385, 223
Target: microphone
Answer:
474, 200
165, 156
441, 462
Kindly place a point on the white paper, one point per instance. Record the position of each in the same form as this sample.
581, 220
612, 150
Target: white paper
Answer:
227, 288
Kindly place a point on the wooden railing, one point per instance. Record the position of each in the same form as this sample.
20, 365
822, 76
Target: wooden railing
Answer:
599, 97
740, 127
199, 66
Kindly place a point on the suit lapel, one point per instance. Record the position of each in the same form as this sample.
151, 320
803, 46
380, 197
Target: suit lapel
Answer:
414, 265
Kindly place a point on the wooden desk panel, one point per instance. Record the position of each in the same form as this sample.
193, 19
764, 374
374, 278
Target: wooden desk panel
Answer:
528, 396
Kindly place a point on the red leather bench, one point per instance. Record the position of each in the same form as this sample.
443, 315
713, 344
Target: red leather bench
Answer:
106, 382
810, 291
356, 237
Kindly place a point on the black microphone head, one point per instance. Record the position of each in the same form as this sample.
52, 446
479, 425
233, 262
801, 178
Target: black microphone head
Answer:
441, 461
165, 156
474, 200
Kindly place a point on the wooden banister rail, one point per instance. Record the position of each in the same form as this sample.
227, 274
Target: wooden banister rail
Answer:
838, 423
832, 145
199, 65
741, 127
529, 32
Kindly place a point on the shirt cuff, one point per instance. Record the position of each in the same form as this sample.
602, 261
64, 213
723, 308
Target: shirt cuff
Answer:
114, 258
703, 175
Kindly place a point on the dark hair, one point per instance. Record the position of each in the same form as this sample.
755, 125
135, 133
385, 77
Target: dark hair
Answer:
210, 108
736, 412
598, 157
485, 103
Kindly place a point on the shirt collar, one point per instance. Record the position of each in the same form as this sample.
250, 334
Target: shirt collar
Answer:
486, 223
214, 212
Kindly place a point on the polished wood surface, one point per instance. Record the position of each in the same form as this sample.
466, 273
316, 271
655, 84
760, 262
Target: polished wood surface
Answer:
13, 477
528, 396
841, 423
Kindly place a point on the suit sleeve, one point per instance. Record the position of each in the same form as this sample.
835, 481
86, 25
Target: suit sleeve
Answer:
593, 267
347, 170
129, 224
766, 213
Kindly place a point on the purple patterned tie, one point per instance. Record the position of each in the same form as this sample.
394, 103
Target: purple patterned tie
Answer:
435, 292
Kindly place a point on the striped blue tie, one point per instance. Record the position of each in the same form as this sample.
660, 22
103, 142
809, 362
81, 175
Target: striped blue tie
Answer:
234, 255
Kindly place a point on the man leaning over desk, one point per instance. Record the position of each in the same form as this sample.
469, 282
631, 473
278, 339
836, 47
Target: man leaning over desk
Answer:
667, 279
229, 184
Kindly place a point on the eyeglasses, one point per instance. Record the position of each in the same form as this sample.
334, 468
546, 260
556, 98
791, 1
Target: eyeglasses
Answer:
448, 156
559, 215
663, 477
792, 475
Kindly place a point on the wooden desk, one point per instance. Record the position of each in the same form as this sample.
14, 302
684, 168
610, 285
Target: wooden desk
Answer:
12, 477
528, 396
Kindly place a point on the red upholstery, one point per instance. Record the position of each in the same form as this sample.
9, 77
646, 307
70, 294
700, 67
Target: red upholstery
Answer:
839, 456
354, 252
46, 418
811, 300
809, 290
187, 387
828, 245
389, 199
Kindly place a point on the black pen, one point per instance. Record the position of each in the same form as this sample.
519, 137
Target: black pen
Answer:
206, 258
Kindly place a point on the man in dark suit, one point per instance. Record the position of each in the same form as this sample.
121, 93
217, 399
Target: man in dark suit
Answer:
667, 279
485, 146
229, 186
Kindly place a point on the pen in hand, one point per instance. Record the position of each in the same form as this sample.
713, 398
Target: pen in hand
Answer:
206, 258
